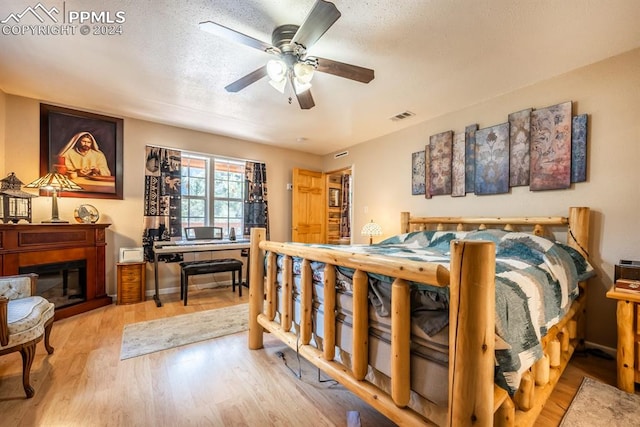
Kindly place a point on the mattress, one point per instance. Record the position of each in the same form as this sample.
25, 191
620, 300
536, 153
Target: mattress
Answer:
536, 282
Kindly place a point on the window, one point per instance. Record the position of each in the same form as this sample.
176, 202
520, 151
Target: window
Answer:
212, 192
194, 191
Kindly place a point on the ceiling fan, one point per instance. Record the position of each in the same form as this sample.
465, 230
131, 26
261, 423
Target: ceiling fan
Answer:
290, 43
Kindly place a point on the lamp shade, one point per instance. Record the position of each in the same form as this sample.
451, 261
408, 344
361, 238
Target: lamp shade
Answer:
371, 229
54, 182
303, 72
298, 87
277, 70
279, 85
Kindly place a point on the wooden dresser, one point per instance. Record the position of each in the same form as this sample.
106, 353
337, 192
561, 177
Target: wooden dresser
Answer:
131, 282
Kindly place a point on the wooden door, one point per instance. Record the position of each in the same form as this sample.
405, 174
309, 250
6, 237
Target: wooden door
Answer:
308, 207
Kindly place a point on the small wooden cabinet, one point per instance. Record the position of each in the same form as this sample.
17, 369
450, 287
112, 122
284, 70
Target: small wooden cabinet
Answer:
131, 282
627, 316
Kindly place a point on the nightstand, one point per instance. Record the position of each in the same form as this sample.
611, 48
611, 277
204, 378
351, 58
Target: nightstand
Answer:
131, 282
628, 338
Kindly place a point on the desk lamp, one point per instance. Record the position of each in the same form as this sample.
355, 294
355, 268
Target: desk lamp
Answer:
54, 182
371, 229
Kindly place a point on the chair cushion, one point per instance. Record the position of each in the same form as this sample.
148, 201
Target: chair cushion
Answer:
213, 266
26, 318
15, 287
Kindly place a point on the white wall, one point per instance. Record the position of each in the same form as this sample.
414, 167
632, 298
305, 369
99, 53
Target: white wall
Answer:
609, 92
125, 216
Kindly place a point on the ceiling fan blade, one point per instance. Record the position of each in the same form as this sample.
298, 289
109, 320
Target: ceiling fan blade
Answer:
245, 81
348, 71
305, 100
318, 21
233, 35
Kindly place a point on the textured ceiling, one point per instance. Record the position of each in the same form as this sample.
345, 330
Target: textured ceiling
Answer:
430, 57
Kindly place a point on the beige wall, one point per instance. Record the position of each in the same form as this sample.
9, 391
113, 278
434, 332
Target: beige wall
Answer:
3, 119
126, 215
609, 92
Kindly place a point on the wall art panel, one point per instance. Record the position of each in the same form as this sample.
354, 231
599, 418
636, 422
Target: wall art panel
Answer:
440, 154
417, 173
519, 137
579, 149
470, 158
551, 147
458, 166
492, 160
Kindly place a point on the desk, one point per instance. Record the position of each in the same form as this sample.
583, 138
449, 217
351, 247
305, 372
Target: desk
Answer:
189, 246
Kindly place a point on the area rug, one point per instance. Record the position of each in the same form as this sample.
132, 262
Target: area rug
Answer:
162, 334
598, 404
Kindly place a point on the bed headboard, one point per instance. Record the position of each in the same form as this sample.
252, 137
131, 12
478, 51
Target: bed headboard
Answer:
577, 224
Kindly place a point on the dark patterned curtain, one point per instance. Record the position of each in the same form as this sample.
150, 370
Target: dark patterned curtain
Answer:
256, 213
162, 219
345, 220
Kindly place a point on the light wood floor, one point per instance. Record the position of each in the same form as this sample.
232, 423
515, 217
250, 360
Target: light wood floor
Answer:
218, 382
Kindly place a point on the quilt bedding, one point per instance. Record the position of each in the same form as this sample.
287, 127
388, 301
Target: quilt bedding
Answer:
536, 282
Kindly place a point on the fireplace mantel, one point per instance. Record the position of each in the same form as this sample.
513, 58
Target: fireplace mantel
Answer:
24, 245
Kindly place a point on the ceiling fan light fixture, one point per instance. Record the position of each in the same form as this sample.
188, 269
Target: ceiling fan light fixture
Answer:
279, 85
303, 72
300, 87
277, 70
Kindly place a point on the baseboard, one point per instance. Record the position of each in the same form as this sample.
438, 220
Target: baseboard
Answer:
176, 289
608, 350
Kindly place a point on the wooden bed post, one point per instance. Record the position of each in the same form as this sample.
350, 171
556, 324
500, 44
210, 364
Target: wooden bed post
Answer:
578, 237
256, 290
360, 356
400, 342
272, 271
306, 306
471, 333
329, 349
404, 222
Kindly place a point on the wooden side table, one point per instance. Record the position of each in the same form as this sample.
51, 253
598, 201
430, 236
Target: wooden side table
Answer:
628, 338
131, 282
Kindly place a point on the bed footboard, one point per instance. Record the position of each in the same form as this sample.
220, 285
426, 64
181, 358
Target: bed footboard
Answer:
473, 397
472, 326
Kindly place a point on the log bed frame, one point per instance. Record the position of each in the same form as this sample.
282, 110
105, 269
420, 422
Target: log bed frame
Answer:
473, 399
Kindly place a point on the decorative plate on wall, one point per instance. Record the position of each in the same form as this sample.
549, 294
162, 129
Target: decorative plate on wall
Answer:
87, 214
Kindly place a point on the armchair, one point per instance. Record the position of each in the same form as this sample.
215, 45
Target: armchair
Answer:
24, 320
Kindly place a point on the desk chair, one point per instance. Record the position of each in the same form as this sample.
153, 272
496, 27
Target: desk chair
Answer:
193, 268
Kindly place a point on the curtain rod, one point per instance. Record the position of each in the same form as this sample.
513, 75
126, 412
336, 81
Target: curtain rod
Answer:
204, 154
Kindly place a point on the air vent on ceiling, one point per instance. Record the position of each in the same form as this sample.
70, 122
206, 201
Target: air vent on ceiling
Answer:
402, 116
342, 154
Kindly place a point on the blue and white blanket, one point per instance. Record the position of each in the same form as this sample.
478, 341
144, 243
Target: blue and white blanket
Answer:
536, 282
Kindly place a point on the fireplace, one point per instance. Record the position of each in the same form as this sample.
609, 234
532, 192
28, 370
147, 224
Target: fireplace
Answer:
62, 283
69, 259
